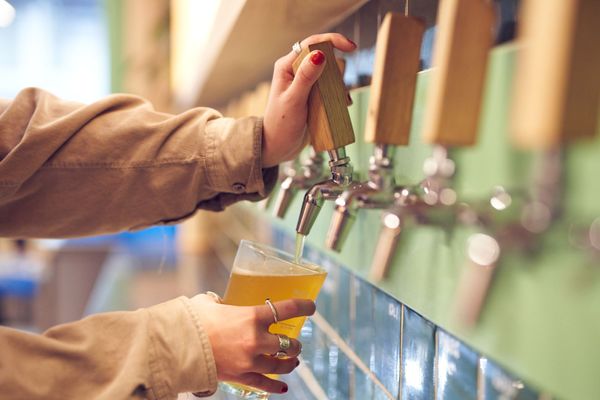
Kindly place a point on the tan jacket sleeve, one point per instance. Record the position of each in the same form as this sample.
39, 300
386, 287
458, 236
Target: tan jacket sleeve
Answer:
151, 353
68, 169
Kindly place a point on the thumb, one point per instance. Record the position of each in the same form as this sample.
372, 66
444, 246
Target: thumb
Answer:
310, 70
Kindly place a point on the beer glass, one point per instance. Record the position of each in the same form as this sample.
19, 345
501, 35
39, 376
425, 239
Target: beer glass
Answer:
261, 272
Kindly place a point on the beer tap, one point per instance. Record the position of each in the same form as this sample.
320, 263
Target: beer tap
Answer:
451, 119
556, 100
310, 172
331, 130
388, 122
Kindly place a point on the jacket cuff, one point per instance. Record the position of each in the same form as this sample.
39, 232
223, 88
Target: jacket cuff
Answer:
234, 156
181, 356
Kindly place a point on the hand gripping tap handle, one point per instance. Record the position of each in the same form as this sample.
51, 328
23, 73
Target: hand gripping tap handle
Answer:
311, 170
328, 122
330, 130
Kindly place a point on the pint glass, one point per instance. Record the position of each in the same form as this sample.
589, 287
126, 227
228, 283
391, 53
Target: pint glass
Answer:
261, 272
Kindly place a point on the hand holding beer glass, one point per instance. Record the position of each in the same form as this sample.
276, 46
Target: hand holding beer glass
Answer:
283, 291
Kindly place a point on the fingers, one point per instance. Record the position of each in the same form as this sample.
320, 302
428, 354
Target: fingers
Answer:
283, 66
339, 41
263, 383
286, 309
309, 71
270, 345
266, 364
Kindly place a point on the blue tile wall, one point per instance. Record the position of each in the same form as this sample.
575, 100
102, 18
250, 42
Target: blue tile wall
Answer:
499, 384
456, 372
409, 355
363, 333
387, 330
334, 299
417, 357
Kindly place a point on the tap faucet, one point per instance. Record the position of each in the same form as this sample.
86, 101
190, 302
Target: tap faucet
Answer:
389, 117
452, 117
311, 172
329, 189
377, 193
331, 130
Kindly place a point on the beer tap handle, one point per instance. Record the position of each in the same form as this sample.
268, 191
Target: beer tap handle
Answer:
463, 40
397, 57
557, 82
328, 119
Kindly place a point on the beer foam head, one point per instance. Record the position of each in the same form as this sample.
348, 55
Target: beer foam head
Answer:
271, 266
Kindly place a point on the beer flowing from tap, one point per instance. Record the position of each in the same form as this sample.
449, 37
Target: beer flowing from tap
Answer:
299, 247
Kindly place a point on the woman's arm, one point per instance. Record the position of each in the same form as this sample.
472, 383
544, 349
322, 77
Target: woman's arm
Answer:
183, 345
149, 353
68, 169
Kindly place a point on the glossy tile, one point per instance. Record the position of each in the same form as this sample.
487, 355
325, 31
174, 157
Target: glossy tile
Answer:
334, 300
387, 324
418, 357
362, 333
456, 374
298, 389
496, 383
330, 367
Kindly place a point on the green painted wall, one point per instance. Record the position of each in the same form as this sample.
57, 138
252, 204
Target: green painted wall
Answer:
114, 18
542, 317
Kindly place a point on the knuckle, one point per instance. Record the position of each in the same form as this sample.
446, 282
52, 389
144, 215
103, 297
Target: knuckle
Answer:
254, 317
254, 380
249, 343
245, 364
305, 76
279, 64
287, 366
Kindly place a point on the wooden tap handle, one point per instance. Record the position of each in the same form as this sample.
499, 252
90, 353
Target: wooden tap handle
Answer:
397, 59
328, 119
557, 82
463, 40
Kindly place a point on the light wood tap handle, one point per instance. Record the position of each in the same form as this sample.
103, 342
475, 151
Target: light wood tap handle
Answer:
463, 40
397, 59
328, 119
557, 83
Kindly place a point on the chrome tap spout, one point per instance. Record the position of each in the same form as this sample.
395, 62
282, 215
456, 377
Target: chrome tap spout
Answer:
310, 173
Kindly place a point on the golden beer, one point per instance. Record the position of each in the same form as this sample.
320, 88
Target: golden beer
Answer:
247, 288
261, 272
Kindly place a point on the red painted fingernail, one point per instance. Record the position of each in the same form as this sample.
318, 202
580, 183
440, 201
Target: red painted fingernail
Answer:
297, 362
284, 389
353, 44
317, 58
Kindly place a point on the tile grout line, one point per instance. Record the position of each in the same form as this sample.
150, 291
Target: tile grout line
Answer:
345, 347
481, 362
435, 364
310, 380
401, 361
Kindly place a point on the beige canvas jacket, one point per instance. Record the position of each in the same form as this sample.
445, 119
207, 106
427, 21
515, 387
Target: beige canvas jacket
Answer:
68, 169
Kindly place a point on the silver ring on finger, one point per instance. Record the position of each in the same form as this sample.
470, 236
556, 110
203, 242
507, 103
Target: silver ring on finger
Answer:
273, 310
280, 354
297, 48
284, 343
